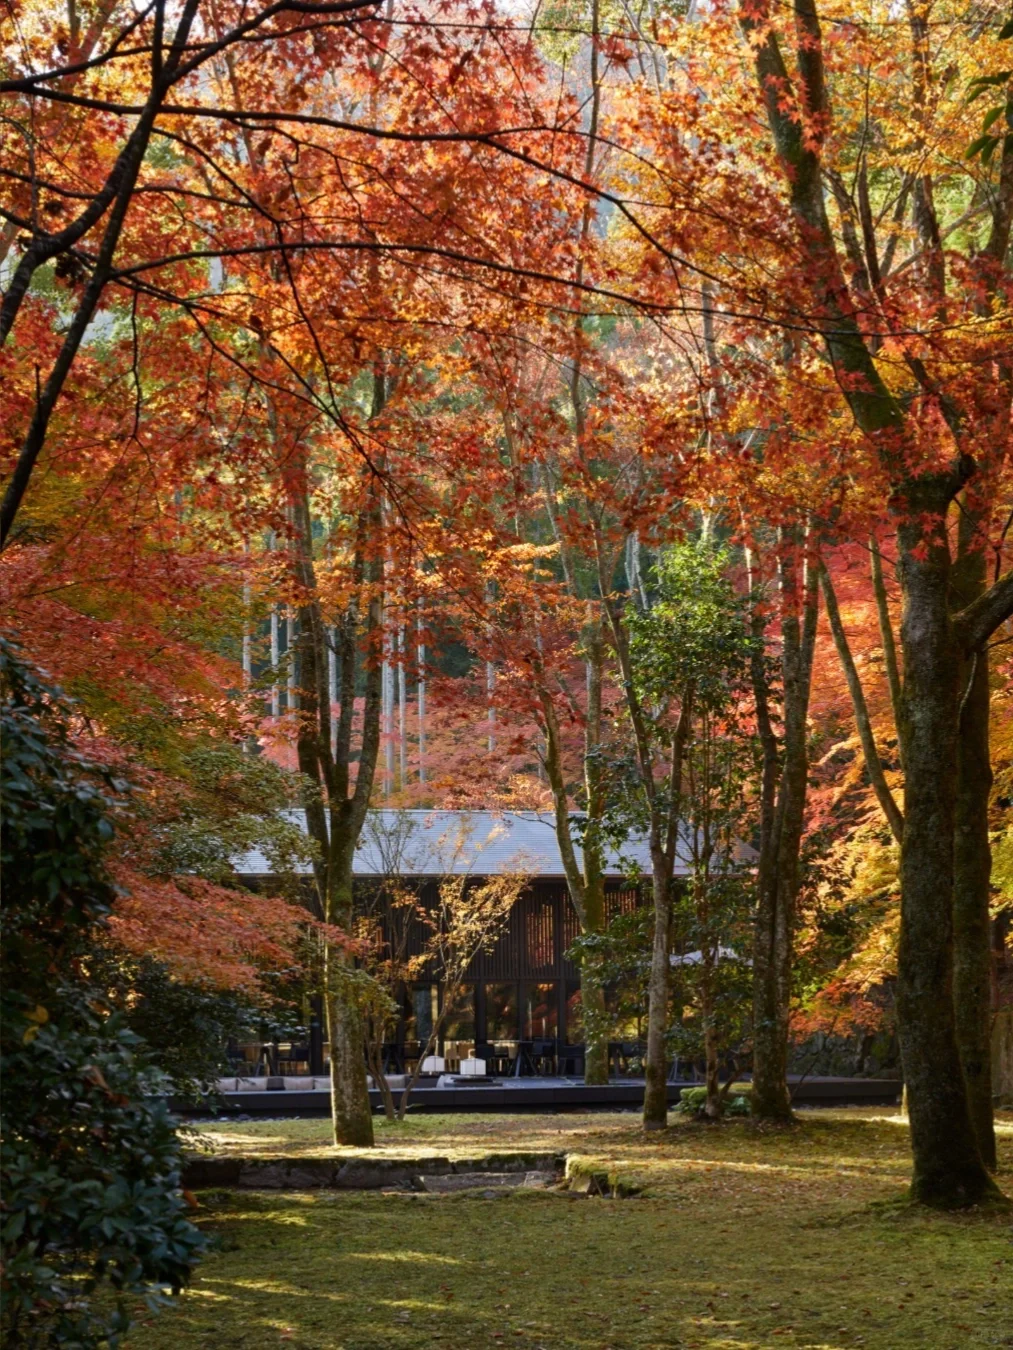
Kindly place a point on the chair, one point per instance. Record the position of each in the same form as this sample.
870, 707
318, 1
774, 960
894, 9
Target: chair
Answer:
483, 1050
543, 1053
294, 1055
393, 1057
570, 1061
239, 1064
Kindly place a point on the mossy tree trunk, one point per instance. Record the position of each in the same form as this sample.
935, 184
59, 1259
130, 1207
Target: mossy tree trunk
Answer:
948, 1168
972, 861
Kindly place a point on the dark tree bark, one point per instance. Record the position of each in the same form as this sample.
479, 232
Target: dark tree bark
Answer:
870, 752
886, 631
778, 868
972, 862
335, 815
948, 1167
664, 826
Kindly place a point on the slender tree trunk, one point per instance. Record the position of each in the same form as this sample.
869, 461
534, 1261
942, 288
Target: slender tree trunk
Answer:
593, 918
972, 867
885, 630
585, 880
948, 1169
586, 887
870, 752
714, 1105
379, 1077
656, 1064
351, 1114
664, 842
778, 870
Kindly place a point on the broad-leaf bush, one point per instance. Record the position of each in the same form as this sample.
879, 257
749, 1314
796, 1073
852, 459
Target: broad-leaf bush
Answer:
92, 1217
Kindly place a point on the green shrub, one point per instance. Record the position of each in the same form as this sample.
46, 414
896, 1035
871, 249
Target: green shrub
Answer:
89, 1161
693, 1100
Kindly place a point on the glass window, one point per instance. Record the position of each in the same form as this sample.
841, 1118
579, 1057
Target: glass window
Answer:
574, 1015
460, 1023
501, 1012
541, 1012
422, 1013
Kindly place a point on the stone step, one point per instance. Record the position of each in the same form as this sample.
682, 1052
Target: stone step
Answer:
479, 1181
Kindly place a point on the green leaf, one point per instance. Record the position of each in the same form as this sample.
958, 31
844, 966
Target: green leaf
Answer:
992, 116
983, 146
986, 81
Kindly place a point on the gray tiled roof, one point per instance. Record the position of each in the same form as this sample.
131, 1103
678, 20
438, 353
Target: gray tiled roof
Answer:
478, 843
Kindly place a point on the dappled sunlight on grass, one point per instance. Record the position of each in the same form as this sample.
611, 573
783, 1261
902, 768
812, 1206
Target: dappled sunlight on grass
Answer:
746, 1239
418, 1257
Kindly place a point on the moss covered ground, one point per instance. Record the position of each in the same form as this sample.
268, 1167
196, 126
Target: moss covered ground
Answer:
743, 1240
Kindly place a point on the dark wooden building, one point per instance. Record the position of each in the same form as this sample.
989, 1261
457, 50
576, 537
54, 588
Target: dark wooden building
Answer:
522, 990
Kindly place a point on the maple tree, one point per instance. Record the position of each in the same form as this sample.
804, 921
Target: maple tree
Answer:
900, 345
433, 330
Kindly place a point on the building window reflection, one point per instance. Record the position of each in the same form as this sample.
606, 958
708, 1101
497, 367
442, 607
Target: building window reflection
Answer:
460, 1022
541, 1012
422, 1012
501, 1006
574, 1014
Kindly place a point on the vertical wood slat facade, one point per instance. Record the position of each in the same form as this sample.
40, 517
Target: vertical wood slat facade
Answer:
542, 926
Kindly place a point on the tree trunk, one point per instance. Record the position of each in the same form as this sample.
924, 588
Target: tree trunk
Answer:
870, 751
595, 1015
885, 630
656, 1066
715, 1103
335, 812
948, 1169
972, 867
778, 869
585, 881
351, 1114
374, 1051
592, 993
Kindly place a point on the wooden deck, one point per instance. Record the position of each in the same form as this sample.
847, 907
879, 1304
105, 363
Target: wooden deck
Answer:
546, 1095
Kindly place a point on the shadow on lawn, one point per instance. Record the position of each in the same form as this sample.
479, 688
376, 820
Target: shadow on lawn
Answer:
749, 1240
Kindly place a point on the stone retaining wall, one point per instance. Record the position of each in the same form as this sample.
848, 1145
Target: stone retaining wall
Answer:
354, 1174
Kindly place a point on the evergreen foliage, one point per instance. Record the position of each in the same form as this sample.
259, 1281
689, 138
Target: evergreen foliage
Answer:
90, 1157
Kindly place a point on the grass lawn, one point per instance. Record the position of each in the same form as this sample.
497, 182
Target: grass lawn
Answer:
743, 1240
